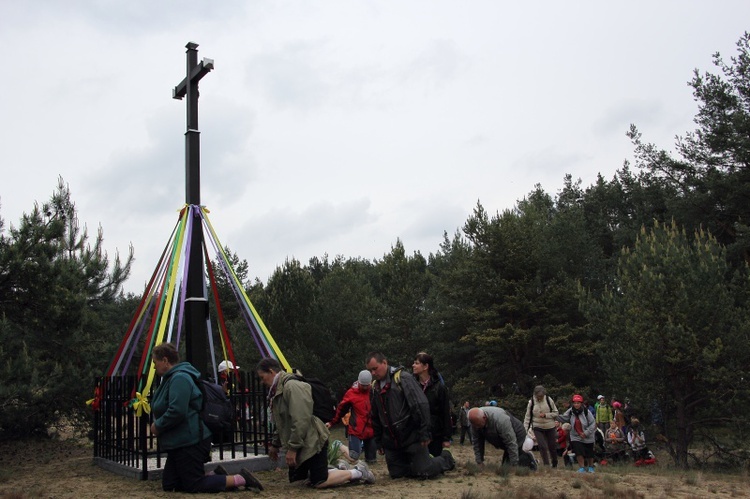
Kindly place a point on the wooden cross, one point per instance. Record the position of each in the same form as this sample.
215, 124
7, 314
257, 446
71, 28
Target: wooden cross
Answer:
189, 86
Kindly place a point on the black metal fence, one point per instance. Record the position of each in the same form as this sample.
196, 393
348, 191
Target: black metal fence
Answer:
125, 439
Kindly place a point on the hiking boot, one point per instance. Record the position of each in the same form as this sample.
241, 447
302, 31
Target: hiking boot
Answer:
250, 481
367, 476
220, 470
449, 461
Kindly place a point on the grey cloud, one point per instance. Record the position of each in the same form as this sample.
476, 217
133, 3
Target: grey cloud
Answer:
290, 77
432, 218
134, 18
286, 228
440, 61
151, 178
301, 75
617, 119
548, 160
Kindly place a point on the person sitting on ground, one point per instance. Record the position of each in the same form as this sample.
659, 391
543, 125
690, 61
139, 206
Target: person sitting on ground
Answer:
302, 433
181, 432
502, 430
583, 428
356, 403
614, 443
637, 441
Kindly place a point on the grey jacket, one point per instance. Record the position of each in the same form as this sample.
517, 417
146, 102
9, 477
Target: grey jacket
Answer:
502, 430
588, 422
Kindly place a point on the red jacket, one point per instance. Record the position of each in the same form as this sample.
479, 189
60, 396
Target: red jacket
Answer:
360, 422
562, 438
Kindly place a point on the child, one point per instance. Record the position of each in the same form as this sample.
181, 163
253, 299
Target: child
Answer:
637, 441
567, 454
614, 442
562, 439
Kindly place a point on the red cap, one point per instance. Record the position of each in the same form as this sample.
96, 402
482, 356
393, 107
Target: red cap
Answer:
577, 398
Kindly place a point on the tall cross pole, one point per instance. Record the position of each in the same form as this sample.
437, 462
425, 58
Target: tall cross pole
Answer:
196, 301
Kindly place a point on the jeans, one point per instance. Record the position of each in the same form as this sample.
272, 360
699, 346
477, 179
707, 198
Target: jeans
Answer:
357, 446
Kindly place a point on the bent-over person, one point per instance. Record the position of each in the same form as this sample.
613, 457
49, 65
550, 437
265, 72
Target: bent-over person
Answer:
502, 430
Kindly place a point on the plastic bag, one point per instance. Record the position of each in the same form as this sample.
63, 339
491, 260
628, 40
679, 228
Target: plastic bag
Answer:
528, 444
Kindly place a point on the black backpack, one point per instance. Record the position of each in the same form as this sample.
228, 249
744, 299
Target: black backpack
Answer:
324, 405
216, 411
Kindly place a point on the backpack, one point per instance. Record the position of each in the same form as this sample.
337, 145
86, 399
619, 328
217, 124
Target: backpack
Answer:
324, 405
531, 408
216, 411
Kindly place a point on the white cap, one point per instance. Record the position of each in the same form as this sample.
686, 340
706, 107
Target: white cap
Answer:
364, 378
226, 364
600, 397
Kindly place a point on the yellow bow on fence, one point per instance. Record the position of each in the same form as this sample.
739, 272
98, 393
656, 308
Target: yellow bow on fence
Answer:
140, 404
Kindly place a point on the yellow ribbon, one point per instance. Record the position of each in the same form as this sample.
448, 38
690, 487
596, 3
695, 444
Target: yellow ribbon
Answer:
140, 404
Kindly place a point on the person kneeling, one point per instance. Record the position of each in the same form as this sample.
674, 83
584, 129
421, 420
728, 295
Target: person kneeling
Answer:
304, 435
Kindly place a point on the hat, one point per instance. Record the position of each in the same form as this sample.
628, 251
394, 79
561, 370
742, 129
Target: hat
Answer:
365, 378
616, 405
600, 397
226, 364
577, 398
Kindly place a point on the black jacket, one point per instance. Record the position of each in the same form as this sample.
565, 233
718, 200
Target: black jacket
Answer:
440, 409
400, 411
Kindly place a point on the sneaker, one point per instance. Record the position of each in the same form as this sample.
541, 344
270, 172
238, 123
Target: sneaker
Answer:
367, 476
220, 470
250, 481
581, 470
591, 469
448, 456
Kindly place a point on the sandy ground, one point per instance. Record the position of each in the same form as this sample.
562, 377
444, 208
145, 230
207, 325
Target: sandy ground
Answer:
37, 469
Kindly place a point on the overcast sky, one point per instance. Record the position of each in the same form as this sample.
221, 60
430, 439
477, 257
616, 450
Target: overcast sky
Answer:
336, 127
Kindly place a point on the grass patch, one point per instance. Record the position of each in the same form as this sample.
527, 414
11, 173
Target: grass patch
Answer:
692, 479
522, 471
499, 469
471, 468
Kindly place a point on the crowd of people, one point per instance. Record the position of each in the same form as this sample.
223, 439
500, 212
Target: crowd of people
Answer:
403, 415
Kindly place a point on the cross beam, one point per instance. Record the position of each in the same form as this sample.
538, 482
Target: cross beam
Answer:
189, 87
196, 301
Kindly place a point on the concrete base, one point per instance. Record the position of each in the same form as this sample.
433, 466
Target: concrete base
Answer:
252, 463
